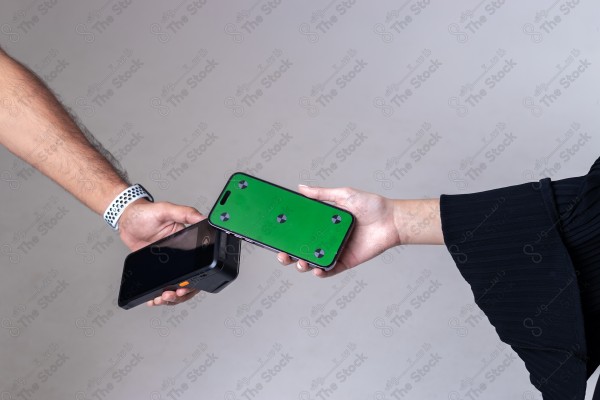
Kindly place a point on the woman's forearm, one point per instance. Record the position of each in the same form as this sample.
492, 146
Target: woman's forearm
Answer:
418, 221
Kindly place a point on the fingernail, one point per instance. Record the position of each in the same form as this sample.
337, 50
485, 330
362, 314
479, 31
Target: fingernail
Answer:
280, 259
299, 267
197, 215
302, 185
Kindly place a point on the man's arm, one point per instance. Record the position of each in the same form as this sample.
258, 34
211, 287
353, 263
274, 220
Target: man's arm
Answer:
38, 129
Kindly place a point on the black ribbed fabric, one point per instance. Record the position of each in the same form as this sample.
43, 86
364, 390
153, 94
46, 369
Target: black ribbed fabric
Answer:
578, 204
511, 246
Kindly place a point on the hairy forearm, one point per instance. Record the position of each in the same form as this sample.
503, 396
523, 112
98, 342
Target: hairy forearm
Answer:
37, 128
418, 221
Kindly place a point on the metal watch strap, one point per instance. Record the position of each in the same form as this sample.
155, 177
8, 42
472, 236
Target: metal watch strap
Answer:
118, 205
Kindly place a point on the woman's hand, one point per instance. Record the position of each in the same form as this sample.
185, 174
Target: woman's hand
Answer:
380, 224
374, 228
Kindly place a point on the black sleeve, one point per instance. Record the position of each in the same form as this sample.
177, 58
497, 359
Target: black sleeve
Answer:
578, 203
507, 244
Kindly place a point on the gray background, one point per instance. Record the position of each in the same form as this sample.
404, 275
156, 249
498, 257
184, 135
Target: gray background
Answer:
126, 67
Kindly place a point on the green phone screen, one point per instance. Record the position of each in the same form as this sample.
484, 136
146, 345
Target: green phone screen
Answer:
282, 219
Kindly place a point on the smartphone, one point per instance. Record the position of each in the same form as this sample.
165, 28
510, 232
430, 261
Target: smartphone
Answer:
199, 257
280, 219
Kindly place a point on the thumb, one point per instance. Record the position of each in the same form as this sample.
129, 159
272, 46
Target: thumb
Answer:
180, 214
334, 195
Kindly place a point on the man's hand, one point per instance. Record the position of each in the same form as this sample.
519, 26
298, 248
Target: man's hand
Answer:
143, 223
36, 127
